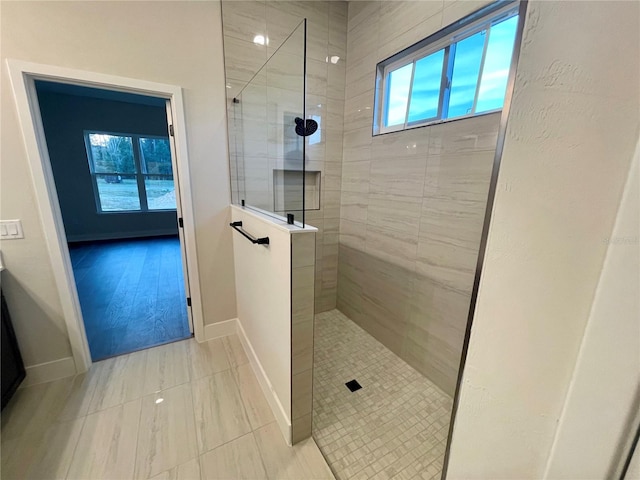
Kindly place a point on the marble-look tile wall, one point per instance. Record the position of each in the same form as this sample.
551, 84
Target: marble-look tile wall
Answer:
412, 202
327, 43
303, 245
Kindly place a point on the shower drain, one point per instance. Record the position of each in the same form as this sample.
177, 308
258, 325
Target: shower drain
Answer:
353, 385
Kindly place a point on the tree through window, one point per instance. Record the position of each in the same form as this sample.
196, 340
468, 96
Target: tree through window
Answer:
131, 172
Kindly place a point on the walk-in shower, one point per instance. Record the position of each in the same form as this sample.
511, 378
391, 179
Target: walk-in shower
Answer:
400, 211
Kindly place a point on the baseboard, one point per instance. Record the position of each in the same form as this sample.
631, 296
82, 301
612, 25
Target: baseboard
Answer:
220, 329
46, 372
99, 237
274, 402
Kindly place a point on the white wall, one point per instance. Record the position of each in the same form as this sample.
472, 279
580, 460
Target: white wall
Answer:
263, 284
598, 415
178, 43
570, 139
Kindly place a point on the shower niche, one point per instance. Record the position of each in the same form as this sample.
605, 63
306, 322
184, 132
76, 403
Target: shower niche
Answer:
295, 190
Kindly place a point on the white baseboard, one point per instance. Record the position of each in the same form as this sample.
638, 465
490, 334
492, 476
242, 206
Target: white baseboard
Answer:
46, 372
274, 402
220, 329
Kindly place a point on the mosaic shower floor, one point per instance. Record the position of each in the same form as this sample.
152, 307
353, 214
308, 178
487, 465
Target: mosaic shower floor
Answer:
395, 427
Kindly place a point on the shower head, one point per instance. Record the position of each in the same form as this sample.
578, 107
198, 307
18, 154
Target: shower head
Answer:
305, 128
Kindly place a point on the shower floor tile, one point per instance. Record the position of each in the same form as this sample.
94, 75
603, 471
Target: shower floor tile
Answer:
394, 427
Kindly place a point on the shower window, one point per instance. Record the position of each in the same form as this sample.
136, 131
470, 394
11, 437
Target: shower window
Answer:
461, 73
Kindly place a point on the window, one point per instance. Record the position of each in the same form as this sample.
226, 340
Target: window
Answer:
131, 173
458, 74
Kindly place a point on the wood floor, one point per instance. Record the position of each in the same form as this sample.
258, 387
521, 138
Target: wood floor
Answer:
131, 293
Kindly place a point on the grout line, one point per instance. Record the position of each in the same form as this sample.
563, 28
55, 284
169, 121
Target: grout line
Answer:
75, 448
135, 458
193, 408
427, 425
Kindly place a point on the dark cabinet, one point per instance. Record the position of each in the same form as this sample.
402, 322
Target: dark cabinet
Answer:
12, 367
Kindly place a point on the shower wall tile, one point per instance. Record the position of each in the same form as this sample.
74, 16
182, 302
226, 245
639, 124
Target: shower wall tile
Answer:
355, 175
281, 74
354, 206
335, 114
317, 77
412, 203
393, 212
338, 12
245, 19
393, 246
353, 234
357, 145
363, 38
243, 58
358, 111
336, 80
284, 16
456, 9
402, 176
448, 243
435, 333
397, 18
350, 277
303, 263
470, 135
333, 145
359, 75
304, 246
326, 38
409, 143
281, 21
362, 12
332, 179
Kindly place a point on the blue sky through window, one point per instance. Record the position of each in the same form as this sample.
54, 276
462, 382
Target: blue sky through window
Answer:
466, 68
495, 73
471, 80
425, 94
398, 95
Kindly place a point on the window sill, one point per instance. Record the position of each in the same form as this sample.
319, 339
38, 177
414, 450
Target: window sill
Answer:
387, 131
127, 212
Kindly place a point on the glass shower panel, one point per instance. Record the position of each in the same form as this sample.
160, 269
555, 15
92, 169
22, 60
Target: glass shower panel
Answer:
267, 142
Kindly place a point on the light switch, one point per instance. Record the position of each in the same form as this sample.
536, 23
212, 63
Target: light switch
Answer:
11, 229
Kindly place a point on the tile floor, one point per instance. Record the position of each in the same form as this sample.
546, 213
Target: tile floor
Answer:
178, 411
395, 427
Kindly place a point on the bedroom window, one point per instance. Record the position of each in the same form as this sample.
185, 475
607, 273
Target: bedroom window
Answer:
131, 173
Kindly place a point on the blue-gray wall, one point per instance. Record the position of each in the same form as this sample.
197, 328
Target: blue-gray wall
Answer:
65, 118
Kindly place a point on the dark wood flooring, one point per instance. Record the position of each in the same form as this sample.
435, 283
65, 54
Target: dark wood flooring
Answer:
131, 293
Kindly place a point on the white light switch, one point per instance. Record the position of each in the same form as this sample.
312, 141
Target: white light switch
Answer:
11, 229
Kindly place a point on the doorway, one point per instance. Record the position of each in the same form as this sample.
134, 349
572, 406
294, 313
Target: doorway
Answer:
23, 75
113, 167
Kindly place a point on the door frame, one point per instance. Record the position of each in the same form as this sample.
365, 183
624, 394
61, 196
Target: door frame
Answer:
22, 76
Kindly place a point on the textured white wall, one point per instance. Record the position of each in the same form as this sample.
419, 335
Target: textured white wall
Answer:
600, 403
570, 139
634, 468
178, 43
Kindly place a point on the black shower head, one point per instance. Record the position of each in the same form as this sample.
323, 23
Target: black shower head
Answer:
306, 128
